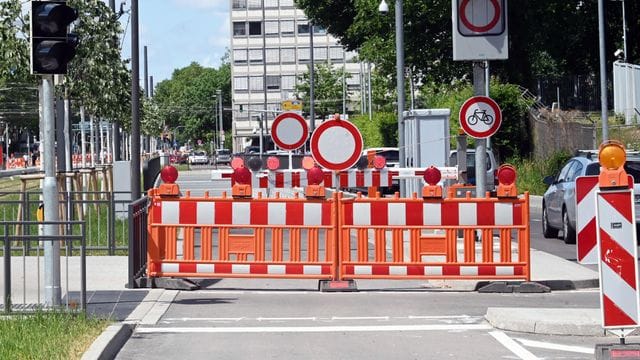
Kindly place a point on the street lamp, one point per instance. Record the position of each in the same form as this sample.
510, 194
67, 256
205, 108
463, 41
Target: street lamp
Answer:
383, 8
624, 31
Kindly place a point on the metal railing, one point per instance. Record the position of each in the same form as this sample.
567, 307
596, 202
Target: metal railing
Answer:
138, 211
30, 259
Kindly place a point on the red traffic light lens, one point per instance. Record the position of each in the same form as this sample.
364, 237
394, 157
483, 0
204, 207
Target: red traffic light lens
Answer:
242, 176
308, 163
507, 174
379, 162
315, 176
273, 163
169, 174
237, 162
432, 175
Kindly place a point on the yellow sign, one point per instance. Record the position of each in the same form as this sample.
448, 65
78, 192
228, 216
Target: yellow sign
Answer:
40, 213
291, 105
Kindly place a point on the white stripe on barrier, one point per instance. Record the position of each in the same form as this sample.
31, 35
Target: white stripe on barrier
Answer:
205, 213
609, 215
362, 270
276, 213
312, 214
276, 269
431, 214
312, 269
623, 295
398, 270
505, 270
170, 212
351, 178
433, 270
467, 214
205, 268
585, 210
396, 214
240, 269
240, 213
361, 214
468, 270
503, 214
170, 268
368, 176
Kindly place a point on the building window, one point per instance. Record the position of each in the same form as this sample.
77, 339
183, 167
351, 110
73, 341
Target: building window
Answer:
288, 82
255, 4
319, 30
350, 55
255, 27
287, 28
286, 3
271, 27
303, 54
273, 56
320, 53
256, 84
270, 4
273, 82
239, 4
255, 56
335, 53
240, 83
240, 56
288, 55
239, 28
303, 29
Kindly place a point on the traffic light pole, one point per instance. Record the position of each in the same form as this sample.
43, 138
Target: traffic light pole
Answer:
52, 294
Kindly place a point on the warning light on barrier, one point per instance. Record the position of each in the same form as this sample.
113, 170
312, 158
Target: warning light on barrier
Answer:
308, 163
169, 175
273, 163
432, 177
507, 181
612, 156
255, 163
242, 182
315, 176
379, 162
237, 162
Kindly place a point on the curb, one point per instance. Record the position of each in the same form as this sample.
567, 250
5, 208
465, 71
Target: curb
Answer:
546, 321
109, 343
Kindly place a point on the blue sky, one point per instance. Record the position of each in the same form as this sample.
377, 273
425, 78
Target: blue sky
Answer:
178, 32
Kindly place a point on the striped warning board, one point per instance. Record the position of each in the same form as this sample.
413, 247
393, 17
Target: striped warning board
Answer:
618, 253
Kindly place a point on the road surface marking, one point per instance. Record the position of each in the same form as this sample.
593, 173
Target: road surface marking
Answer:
360, 318
160, 307
324, 319
513, 346
552, 346
311, 329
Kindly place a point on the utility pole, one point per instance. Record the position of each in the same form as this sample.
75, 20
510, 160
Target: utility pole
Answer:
400, 88
603, 73
264, 77
220, 137
115, 128
312, 82
135, 103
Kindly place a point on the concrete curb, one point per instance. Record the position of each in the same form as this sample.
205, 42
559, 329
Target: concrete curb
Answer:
109, 343
581, 322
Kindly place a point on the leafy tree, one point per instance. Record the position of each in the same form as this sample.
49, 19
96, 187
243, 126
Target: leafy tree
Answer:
327, 90
187, 100
381, 130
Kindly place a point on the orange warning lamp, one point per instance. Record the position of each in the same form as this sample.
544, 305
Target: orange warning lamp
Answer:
237, 162
308, 163
507, 181
432, 177
169, 175
242, 182
612, 157
379, 162
315, 177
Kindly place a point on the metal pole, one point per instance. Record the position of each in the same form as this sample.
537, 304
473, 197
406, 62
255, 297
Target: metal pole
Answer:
52, 291
400, 88
413, 94
603, 73
264, 76
151, 85
369, 92
481, 144
135, 103
624, 32
221, 139
312, 82
344, 85
115, 127
487, 83
362, 89
146, 73
92, 146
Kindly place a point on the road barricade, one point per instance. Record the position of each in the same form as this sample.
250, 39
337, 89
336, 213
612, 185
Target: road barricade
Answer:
242, 237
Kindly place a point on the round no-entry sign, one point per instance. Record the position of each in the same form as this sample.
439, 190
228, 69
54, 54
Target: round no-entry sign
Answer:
289, 131
336, 144
480, 117
481, 17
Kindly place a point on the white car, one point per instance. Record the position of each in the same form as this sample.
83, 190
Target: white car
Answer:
198, 158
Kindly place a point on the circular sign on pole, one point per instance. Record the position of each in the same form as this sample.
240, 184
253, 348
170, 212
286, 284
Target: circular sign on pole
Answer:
336, 144
289, 131
480, 117
480, 17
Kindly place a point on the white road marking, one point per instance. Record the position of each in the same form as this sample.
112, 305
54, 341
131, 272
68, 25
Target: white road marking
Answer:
324, 319
360, 318
203, 319
552, 346
286, 318
311, 329
513, 346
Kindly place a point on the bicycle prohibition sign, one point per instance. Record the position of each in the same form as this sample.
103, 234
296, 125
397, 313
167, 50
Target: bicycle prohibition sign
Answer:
480, 117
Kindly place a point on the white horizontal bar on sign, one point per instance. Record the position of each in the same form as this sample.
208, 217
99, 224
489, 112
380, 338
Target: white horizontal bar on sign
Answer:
217, 174
447, 172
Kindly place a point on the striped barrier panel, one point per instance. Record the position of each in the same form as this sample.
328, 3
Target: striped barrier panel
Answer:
428, 228
227, 237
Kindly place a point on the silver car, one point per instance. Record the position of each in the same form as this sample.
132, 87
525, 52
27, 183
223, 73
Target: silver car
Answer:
559, 201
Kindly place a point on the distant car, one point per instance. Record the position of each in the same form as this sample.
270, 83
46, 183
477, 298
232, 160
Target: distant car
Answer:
198, 158
223, 156
559, 201
491, 168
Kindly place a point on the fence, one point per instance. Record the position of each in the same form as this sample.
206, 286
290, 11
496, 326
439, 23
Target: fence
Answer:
31, 265
626, 91
138, 213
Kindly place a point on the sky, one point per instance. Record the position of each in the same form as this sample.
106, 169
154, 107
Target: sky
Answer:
178, 32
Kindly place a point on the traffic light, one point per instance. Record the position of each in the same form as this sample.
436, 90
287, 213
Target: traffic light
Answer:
51, 46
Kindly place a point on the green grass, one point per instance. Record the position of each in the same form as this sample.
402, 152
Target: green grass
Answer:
48, 335
531, 172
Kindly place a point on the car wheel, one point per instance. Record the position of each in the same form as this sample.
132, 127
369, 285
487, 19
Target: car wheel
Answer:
568, 233
547, 231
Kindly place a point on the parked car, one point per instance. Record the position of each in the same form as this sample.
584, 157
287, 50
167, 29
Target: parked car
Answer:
223, 156
198, 158
491, 169
559, 201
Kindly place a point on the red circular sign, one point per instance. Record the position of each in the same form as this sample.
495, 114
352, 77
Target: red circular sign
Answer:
336, 144
289, 131
480, 117
479, 28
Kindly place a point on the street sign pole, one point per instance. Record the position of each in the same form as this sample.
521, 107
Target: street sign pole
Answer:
479, 82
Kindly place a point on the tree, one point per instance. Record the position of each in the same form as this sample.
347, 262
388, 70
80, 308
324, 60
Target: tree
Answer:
327, 90
188, 100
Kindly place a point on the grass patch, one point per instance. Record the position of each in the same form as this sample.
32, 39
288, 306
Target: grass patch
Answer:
531, 172
48, 335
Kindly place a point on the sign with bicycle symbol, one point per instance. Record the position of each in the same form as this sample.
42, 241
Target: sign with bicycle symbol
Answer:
480, 117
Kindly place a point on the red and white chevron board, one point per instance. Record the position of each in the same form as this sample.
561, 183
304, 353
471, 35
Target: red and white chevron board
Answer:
586, 237
418, 213
434, 270
204, 269
185, 212
619, 299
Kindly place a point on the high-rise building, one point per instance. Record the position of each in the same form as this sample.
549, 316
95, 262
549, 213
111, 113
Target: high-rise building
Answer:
270, 49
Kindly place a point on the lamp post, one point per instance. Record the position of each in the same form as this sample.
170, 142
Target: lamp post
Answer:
383, 8
624, 30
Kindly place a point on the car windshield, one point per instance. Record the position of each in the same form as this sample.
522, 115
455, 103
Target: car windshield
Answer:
632, 167
471, 160
224, 152
200, 153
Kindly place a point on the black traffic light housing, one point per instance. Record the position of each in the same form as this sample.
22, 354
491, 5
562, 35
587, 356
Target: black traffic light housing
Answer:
51, 46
